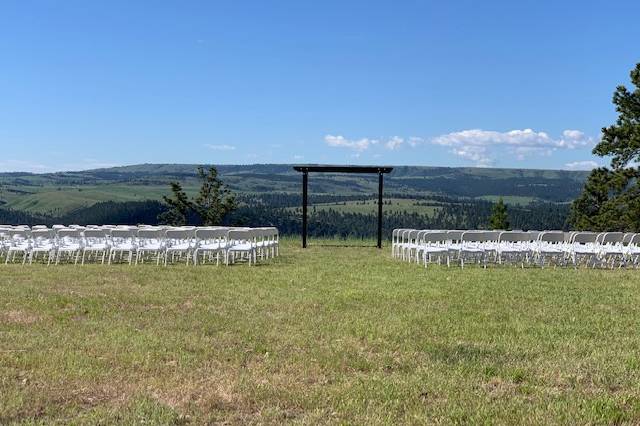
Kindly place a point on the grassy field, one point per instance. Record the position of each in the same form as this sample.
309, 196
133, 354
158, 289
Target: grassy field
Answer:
60, 200
327, 335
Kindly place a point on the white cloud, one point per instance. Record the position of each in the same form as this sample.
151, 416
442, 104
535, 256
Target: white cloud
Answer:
394, 143
480, 146
415, 141
356, 145
582, 165
220, 147
298, 157
363, 144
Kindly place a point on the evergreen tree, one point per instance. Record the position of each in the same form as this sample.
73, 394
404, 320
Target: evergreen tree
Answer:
499, 218
610, 198
178, 207
214, 201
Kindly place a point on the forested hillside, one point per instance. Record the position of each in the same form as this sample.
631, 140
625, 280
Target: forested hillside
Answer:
269, 194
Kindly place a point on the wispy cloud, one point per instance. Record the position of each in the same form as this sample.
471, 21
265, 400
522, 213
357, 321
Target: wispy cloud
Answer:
582, 165
483, 146
414, 141
220, 147
394, 143
363, 144
357, 145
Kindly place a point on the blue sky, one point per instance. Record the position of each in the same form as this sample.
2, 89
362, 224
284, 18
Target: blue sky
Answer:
87, 84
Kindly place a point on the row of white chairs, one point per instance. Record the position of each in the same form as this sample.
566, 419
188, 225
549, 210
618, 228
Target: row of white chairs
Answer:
593, 249
137, 244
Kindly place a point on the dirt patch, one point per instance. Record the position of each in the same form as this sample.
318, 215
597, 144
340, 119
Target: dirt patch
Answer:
207, 393
18, 317
497, 388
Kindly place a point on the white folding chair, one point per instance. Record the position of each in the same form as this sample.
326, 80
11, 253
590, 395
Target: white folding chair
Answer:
123, 240
69, 244
515, 246
18, 241
472, 247
612, 249
179, 242
43, 242
491, 244
584, 247
434, 244
150, 242
550, 246
96, 243
210, 242
241, 241
454, 243
396, 241
633, 250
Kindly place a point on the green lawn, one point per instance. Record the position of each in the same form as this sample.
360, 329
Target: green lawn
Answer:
327, 335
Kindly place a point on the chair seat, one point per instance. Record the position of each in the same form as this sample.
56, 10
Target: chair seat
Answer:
19, 247
47, 247
179, 247
551, 251
212, 246
585, 250
96, 247
613, 250
69, 247
433, 249
123, 247
241, 247
472, 249
151, 247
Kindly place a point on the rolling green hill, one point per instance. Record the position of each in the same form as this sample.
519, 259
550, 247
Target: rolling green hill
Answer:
61, 193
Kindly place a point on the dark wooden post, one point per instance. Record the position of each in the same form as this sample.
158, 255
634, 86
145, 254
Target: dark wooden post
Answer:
305, 182
380, 209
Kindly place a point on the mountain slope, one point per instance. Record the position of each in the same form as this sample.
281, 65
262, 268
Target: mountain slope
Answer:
60, 193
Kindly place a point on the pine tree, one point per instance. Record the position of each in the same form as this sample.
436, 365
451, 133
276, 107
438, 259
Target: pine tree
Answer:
610, 198
178, 207
214, 201
499, 218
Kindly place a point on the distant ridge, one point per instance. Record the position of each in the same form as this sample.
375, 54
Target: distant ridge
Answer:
178, 168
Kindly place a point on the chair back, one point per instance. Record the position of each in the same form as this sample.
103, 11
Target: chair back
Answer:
474, 236
41, 237
96, 233
613, 238
150, 234
241, 235
435, 237
516, 237
552, 237
454, 235
211, 234
627, 238
585, 237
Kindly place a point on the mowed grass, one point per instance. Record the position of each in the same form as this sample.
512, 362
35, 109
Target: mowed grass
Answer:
326, 335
